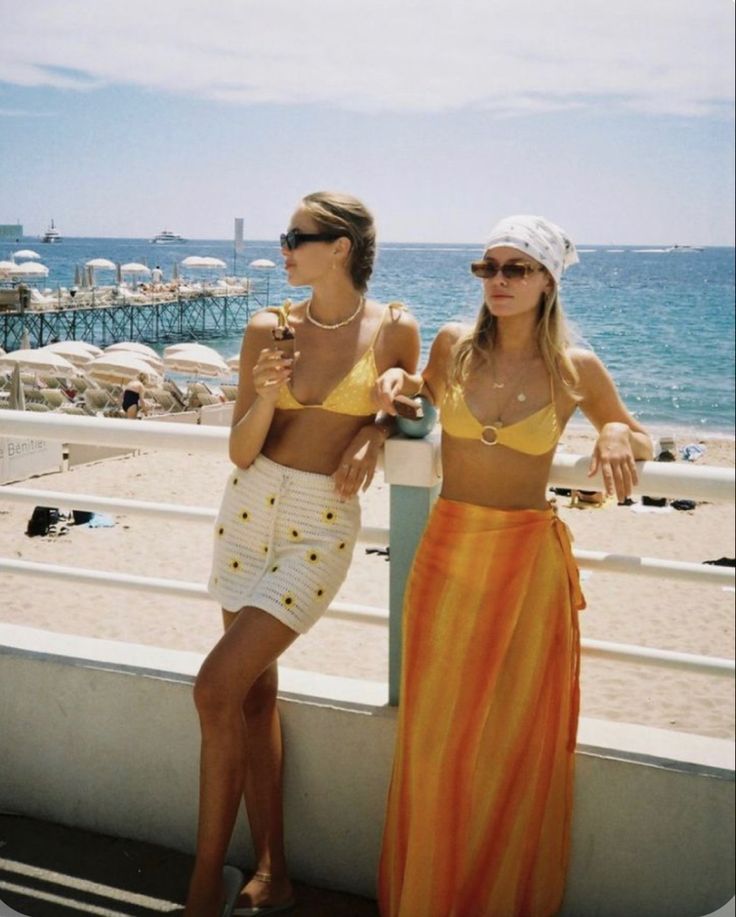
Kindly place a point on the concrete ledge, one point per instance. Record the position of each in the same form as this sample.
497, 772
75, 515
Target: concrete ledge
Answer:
103, 736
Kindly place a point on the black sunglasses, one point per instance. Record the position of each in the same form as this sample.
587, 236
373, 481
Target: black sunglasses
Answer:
295, 237
511, 270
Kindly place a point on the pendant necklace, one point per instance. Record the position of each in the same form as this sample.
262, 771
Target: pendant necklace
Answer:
341, 324
516, 383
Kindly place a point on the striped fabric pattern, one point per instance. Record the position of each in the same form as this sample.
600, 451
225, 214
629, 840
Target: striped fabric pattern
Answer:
479, 808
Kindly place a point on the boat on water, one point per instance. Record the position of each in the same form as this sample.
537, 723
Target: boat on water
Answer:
683, 248
167, 237
52, 234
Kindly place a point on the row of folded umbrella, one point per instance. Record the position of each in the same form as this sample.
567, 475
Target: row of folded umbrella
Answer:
120, 362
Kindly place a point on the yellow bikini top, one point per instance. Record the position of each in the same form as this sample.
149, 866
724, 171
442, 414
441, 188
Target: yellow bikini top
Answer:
533, 435
353, 394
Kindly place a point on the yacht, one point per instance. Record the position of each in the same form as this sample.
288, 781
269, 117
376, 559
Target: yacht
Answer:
52, 234
166, 237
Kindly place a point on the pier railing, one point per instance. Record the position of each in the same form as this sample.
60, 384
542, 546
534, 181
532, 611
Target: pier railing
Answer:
412, 469
155, 317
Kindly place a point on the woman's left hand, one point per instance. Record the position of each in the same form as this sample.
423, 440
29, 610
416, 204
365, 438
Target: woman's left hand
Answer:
358, 462
614, 458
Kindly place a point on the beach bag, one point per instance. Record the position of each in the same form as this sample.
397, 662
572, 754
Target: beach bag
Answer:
81, 516
42, 518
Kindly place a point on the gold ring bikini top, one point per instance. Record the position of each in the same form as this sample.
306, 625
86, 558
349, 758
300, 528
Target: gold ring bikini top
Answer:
353, 394
533, 435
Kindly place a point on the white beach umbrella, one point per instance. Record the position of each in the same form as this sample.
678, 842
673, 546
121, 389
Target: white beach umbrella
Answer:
203, 261
133, 267
98, 264
262, 264
191, 345
29, 269
6, 268
77, 352
120, 367
141, 351
42, 360
74, 347
196, 362
133, 347
26, 254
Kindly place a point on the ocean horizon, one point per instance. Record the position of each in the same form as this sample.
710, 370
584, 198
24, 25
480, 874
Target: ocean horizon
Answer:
661, 320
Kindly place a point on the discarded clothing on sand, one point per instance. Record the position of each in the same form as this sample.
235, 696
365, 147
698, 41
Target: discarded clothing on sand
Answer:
692, 452
643, 508
100, 521
683, 504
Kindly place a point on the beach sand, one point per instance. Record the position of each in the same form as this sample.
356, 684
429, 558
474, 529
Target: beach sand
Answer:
626, 609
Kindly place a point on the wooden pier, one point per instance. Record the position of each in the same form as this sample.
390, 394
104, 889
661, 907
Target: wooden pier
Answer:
206, 315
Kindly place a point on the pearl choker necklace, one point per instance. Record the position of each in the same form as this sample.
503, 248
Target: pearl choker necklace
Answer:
342, 324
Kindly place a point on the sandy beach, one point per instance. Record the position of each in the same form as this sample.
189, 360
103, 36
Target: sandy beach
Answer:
626, 609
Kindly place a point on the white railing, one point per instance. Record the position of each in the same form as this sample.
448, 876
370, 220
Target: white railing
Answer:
656, 479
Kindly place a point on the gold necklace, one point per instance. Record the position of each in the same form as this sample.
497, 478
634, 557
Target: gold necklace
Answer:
341, 324
518, 379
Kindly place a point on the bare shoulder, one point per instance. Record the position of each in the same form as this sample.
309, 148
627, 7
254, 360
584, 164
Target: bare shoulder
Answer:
449, 335
587, 363
259, 328
400, 319
262, 321
594, 380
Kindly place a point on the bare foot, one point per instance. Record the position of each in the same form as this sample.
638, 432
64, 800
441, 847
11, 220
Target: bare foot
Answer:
263, 890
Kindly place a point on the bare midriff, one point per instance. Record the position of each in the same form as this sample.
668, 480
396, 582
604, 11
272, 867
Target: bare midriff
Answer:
311, 439
494, 475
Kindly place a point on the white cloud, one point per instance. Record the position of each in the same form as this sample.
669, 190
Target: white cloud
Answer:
652, 56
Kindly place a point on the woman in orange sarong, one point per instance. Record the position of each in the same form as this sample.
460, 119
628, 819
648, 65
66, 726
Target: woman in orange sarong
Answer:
479, 809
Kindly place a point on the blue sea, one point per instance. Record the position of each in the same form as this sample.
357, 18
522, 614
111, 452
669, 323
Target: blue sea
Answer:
663, 322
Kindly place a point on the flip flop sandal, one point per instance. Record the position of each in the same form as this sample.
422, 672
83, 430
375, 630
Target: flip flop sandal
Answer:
233, 880
265, 909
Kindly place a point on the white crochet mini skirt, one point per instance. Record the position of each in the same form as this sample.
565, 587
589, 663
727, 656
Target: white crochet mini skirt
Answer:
283, 543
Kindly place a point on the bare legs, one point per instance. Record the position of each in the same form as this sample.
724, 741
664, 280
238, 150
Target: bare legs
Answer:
263, 790
235, 696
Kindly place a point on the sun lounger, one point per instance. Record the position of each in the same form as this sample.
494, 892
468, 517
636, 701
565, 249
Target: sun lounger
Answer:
54, 397
78, 409
200, 400
199, 387
163, 399
175, 391
230, 391
97, 399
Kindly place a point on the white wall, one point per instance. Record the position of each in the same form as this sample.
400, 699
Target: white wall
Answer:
103, 736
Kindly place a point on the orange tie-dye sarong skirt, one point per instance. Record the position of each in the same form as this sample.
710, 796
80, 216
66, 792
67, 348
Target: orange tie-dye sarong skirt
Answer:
479, 808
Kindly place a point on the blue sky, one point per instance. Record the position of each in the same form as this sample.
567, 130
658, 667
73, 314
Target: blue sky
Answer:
614, 120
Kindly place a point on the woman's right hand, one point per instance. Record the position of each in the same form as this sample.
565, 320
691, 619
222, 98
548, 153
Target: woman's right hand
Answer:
388, 385
271, 371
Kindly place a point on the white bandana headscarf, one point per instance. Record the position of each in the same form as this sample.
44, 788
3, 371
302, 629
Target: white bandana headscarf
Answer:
538, 238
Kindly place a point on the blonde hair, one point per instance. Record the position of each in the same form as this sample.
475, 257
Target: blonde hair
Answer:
553, 333
344, 213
